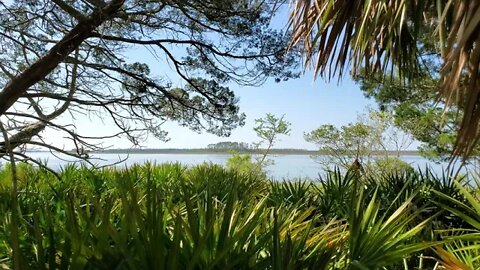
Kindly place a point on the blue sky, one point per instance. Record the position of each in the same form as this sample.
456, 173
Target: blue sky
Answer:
306, 103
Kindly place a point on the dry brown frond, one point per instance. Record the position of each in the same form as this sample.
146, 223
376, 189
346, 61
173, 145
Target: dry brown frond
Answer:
448, 261
460, 76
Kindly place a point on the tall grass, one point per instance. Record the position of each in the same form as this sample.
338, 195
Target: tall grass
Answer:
207, 217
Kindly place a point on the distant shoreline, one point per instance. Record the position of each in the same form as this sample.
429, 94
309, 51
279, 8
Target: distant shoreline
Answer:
202, 151
213, 152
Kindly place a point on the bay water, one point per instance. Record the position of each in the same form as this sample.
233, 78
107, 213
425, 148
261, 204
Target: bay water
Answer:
284, 166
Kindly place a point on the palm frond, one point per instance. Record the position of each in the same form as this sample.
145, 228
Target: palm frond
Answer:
381, 36
460, 75
374, 34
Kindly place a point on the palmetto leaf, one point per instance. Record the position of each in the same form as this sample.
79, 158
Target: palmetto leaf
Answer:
462, 251
379, 240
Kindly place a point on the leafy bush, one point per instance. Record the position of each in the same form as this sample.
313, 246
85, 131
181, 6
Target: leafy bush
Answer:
243, 163
391, 165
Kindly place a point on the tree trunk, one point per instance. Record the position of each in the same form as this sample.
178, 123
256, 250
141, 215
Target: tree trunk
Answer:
43, 66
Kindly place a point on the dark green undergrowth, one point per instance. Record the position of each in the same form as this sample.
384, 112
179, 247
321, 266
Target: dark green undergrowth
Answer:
169, 216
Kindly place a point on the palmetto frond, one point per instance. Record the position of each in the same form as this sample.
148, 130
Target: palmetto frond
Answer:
383, 36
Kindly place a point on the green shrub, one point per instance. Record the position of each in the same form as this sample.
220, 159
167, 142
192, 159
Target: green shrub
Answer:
390, 165
169, 216
243, 163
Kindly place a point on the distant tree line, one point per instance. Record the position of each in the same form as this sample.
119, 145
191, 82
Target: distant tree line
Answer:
240, 146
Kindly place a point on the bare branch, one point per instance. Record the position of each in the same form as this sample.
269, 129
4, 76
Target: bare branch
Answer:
70, 10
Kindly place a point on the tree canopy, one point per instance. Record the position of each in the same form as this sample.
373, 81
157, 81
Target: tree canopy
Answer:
62, 57
415, 106
373, 134
384, 37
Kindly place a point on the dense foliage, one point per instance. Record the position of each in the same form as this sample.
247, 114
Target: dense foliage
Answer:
208, 217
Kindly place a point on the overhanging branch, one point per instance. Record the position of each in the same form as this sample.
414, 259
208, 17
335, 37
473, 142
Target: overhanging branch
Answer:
42, 67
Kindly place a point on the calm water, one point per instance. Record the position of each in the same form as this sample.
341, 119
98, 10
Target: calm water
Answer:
285, 166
